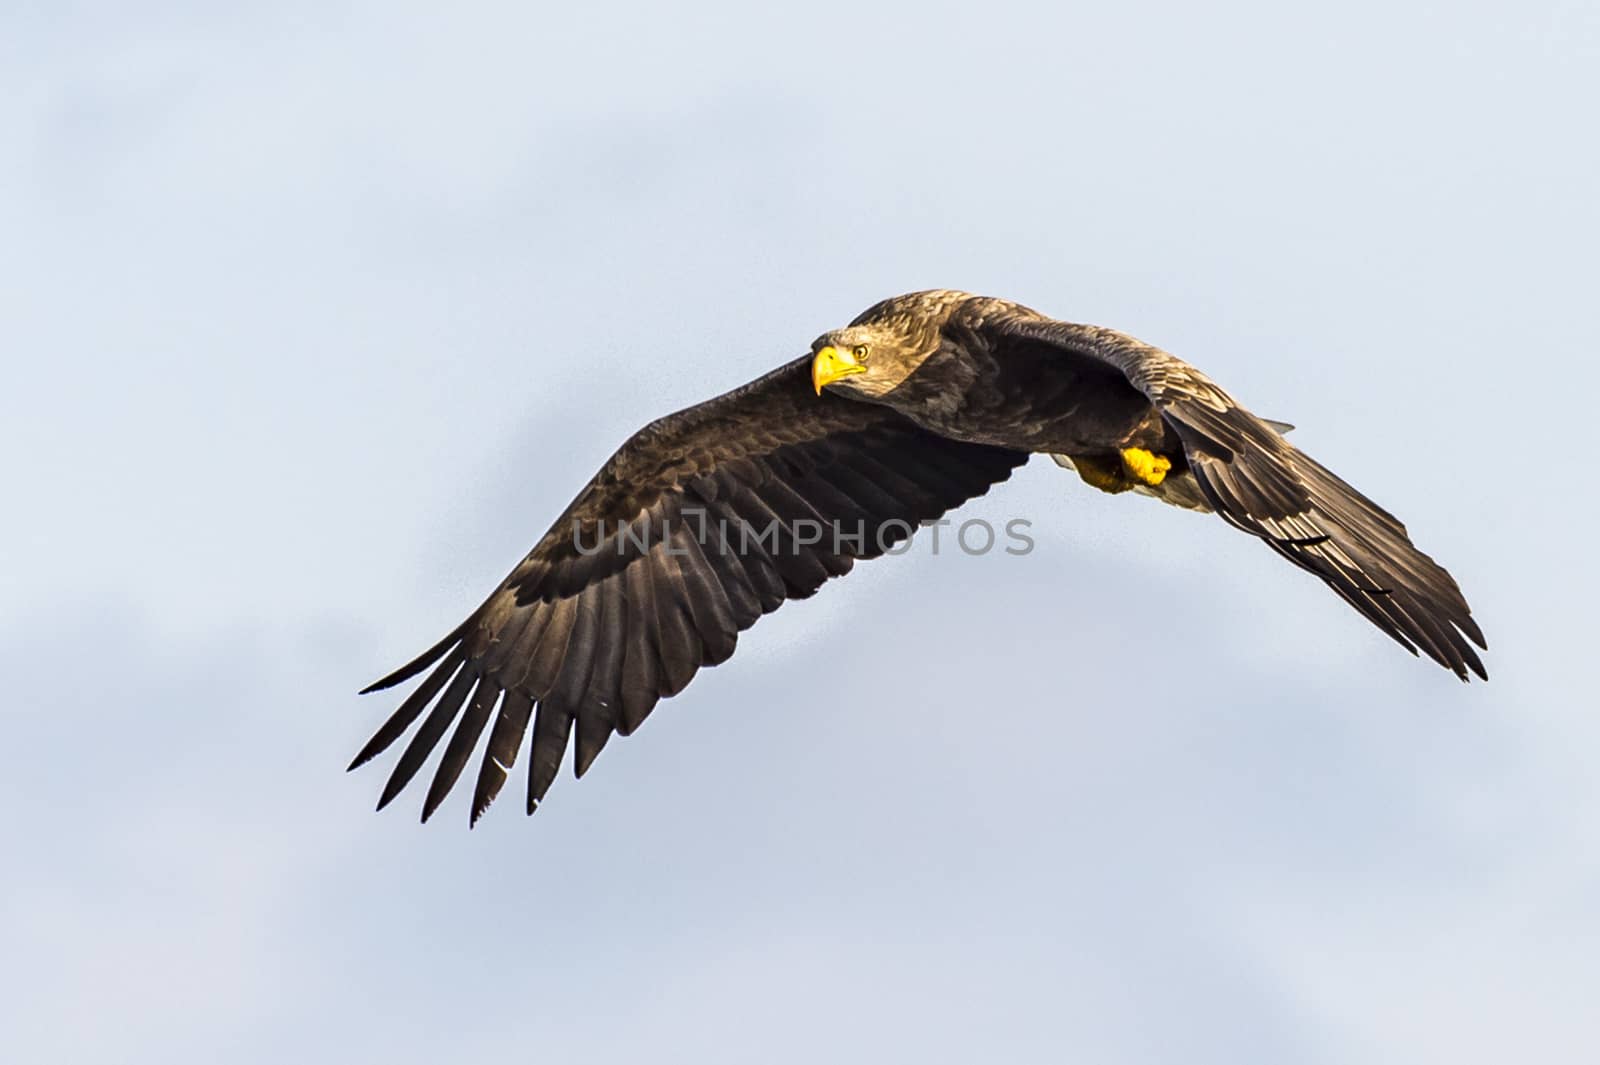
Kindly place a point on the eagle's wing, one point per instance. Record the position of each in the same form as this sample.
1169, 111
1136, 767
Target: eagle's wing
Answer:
1259, 482
698, 525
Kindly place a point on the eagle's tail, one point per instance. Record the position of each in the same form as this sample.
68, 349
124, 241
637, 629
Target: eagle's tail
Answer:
1179, 488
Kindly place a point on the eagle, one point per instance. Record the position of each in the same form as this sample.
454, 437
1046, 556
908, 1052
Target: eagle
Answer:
709, 518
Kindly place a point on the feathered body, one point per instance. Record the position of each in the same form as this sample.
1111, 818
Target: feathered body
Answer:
921, 403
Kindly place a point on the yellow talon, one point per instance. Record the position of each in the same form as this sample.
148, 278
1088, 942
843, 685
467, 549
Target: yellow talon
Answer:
1144, 466
1101, 474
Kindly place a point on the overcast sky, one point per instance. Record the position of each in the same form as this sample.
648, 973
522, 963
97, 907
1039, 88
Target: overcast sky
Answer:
314, 316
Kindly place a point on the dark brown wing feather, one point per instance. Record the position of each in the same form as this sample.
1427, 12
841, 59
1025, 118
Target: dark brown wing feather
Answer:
662, 560
1259, 482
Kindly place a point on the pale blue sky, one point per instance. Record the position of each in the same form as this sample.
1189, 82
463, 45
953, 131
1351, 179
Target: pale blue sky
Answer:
315, 315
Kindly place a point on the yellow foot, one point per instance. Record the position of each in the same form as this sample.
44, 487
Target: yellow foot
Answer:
1098, 473
1144, 466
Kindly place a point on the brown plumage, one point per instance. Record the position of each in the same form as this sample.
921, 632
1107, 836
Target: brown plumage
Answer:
704, 520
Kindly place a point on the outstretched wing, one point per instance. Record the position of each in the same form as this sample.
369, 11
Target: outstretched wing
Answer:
698, 525
1259, 482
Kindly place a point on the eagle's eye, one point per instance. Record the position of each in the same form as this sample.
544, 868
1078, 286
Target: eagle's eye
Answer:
860, 352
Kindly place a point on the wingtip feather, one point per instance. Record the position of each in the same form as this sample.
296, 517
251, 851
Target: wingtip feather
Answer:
421, 662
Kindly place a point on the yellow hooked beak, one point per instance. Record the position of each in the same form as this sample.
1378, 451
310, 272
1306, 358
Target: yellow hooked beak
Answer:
831, 364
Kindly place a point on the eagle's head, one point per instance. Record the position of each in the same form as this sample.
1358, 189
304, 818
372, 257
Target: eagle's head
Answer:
875, 353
